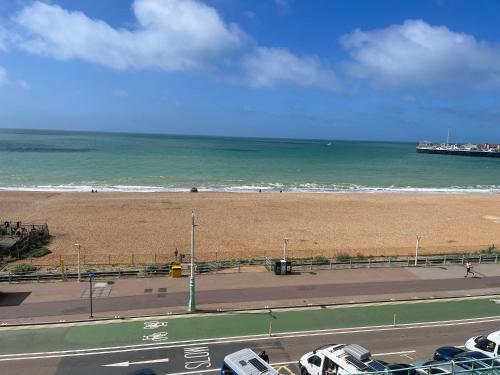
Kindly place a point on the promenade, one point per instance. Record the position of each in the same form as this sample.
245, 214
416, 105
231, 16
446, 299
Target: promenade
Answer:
56, 301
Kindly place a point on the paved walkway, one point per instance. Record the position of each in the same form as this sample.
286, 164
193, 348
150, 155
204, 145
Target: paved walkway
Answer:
54, 301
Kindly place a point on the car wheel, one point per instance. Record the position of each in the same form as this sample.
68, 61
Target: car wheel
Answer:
304, 371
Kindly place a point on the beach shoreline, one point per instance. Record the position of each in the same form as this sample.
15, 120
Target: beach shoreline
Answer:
113, 225
257, 189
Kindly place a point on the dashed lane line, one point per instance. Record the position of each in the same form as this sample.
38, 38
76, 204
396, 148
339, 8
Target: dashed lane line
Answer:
42, 355
276, 335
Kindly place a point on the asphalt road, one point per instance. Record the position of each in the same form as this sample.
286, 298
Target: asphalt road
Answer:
226, 296
204, 357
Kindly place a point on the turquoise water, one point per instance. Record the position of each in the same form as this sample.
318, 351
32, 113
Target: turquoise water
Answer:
78, 161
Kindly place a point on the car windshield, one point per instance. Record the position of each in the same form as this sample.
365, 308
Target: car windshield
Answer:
377, 366
469, 363
483, 357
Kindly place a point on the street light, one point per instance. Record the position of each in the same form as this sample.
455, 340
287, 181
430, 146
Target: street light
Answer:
91, 277
77, 245
416, 248
192, 300
285, 248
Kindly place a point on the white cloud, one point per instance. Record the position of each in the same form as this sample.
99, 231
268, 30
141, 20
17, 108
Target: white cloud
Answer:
250, 15
3, 75
268, 67
23, 84
416, 53
120, 93
3, 37
170, 35
283, 5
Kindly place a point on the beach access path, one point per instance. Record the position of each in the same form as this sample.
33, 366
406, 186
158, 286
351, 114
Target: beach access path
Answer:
56, 301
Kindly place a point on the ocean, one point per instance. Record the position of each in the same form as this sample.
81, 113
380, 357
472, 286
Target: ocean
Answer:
80, 161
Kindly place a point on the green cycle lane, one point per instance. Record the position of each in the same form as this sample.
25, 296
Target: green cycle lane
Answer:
191, 327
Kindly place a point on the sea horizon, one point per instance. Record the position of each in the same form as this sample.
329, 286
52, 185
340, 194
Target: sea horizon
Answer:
59, 160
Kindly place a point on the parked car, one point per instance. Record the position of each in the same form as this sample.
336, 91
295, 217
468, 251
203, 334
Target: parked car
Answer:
489, 345
400, 369
448, 353
430, 367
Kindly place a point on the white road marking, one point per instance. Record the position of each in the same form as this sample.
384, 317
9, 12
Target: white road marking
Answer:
127, 364
236, 339
395, 353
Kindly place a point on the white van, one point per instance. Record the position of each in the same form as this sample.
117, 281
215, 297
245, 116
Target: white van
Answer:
245, 362
339, 359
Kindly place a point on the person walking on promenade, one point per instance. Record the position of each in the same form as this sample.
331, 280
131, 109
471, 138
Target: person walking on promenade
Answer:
468, 267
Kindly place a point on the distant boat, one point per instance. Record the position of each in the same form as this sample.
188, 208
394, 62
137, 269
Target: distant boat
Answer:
485, 150
329, 144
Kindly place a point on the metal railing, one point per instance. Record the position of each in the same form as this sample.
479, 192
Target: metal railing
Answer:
316, 263
377, 262
467, 366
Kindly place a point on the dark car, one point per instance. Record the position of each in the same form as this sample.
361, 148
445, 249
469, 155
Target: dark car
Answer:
401, 369
426, 367
482, 357
448, 353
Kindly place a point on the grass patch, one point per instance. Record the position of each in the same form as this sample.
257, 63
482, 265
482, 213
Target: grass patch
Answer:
37, 249
23, 268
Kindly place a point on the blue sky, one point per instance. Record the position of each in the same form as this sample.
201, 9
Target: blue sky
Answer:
375, 70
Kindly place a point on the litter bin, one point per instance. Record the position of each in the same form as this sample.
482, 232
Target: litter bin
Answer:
283, 267
277, 268
176, 271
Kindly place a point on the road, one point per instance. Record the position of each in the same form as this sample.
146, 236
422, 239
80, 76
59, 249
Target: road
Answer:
391, 344
197, 345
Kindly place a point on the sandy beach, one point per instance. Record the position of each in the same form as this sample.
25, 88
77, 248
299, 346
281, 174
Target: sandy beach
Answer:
112, 226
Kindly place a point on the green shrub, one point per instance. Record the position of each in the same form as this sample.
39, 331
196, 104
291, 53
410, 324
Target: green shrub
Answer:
320, 259
37, 253
23, 268
490, 250
361, 256
342, 257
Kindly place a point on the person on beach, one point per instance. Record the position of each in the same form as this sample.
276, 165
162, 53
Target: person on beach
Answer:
468, 267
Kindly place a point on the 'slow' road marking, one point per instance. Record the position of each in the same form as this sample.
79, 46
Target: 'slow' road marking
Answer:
228, 340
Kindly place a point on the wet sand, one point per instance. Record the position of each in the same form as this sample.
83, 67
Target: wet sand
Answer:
112, 226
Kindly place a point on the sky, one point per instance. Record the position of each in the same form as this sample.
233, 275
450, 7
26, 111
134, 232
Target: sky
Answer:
369, 70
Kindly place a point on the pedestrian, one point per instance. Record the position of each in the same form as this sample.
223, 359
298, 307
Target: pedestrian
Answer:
468, 267
264, 356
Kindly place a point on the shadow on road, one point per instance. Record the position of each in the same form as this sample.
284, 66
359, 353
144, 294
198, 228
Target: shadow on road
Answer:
13, 299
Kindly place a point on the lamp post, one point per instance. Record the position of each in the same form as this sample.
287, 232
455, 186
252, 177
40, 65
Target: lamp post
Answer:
416, 248
192, 300
91, 277
285, 247
77, 245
